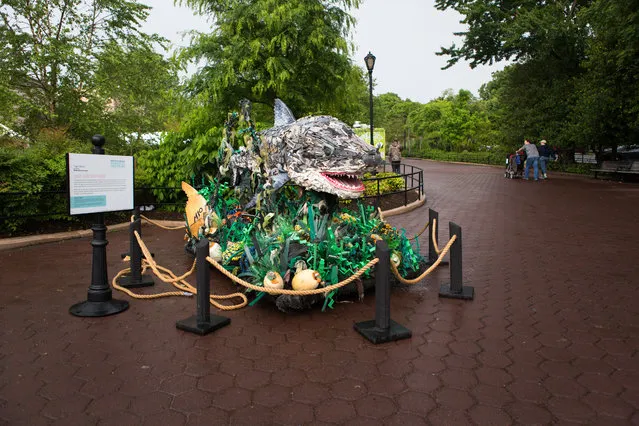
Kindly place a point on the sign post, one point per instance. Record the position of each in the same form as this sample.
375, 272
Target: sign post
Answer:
98, 184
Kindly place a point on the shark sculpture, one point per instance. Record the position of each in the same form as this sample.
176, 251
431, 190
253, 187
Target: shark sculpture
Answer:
289, 232
319, 153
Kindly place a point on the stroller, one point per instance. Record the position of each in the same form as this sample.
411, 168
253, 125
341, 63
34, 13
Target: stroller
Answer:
514, 166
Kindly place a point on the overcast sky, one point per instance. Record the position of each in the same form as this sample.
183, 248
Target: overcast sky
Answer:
403, 34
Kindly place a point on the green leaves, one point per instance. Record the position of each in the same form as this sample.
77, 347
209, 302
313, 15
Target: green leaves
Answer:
260, 50
84, 65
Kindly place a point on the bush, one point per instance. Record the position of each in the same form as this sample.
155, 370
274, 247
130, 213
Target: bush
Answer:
388, 182
35, 175
485, 157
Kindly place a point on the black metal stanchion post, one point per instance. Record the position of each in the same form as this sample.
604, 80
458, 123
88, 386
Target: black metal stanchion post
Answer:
456, 289
99, 302
203, 322
135, 278
433, 217
382, 329
136, 216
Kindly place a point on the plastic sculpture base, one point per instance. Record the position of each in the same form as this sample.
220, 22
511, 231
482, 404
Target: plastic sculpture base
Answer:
467, 293
191, 324
377, 335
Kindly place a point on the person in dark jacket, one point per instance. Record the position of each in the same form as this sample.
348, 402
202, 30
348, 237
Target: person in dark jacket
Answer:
545, 155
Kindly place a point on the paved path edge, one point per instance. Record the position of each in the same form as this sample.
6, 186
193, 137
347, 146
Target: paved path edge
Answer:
17, 242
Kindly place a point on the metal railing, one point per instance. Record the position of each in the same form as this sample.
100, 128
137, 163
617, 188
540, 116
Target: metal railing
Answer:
413, 182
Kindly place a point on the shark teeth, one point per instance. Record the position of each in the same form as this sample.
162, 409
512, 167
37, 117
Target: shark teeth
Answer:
344, 181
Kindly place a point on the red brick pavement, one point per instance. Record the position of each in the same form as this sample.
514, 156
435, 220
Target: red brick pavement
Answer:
551, 337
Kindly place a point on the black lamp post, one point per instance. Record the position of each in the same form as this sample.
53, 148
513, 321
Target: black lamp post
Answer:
370, 64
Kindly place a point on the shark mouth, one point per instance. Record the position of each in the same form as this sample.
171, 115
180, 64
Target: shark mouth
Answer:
344, 181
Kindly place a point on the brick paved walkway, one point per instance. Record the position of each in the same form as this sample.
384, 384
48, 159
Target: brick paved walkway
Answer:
551, 337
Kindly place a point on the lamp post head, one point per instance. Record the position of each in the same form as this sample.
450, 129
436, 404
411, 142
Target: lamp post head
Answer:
370, 62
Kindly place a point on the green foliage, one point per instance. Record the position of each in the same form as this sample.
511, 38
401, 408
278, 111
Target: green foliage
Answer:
36, 173
182, 155
391, 113
72, 63
517, 30
607, 102
294, 50
388, 182
575, 77
493, 157
453, 123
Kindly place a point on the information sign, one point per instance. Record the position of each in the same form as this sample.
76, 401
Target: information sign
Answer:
99, 183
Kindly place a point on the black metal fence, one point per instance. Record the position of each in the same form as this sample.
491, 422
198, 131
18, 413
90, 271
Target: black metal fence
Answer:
54, 204
412, 176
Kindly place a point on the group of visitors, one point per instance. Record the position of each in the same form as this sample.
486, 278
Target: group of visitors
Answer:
537, 158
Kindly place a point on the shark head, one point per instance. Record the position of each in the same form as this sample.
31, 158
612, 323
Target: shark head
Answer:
319, 153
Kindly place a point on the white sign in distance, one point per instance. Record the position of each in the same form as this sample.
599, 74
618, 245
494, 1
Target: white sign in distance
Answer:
99, 183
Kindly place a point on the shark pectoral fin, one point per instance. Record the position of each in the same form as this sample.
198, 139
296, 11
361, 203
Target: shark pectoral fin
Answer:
283, 115
279, 180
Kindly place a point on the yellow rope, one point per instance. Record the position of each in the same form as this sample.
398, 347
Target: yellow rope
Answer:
435, 236
168, 276
422, 231
169, 228
145, 296
427, 271
293, 292
153, 264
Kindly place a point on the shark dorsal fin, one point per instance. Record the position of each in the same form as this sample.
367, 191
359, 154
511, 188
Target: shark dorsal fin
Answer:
283, 115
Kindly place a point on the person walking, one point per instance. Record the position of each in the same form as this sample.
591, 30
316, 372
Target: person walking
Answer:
395, 153
545, 155
532, 159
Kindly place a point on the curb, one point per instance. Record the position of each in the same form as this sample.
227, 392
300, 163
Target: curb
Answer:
405, 209
18, 242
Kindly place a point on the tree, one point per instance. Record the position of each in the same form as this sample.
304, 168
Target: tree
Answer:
606, 113
391, 113
517, 30
296, 50
51, 53
453, 122
138, 86
547, 41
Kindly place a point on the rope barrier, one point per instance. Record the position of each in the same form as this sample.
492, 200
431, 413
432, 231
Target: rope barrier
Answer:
422, 231
146, 296
293, 292
427, 271
434, 236
186, 289
153, 264
177, 282
168, 228
381, 217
